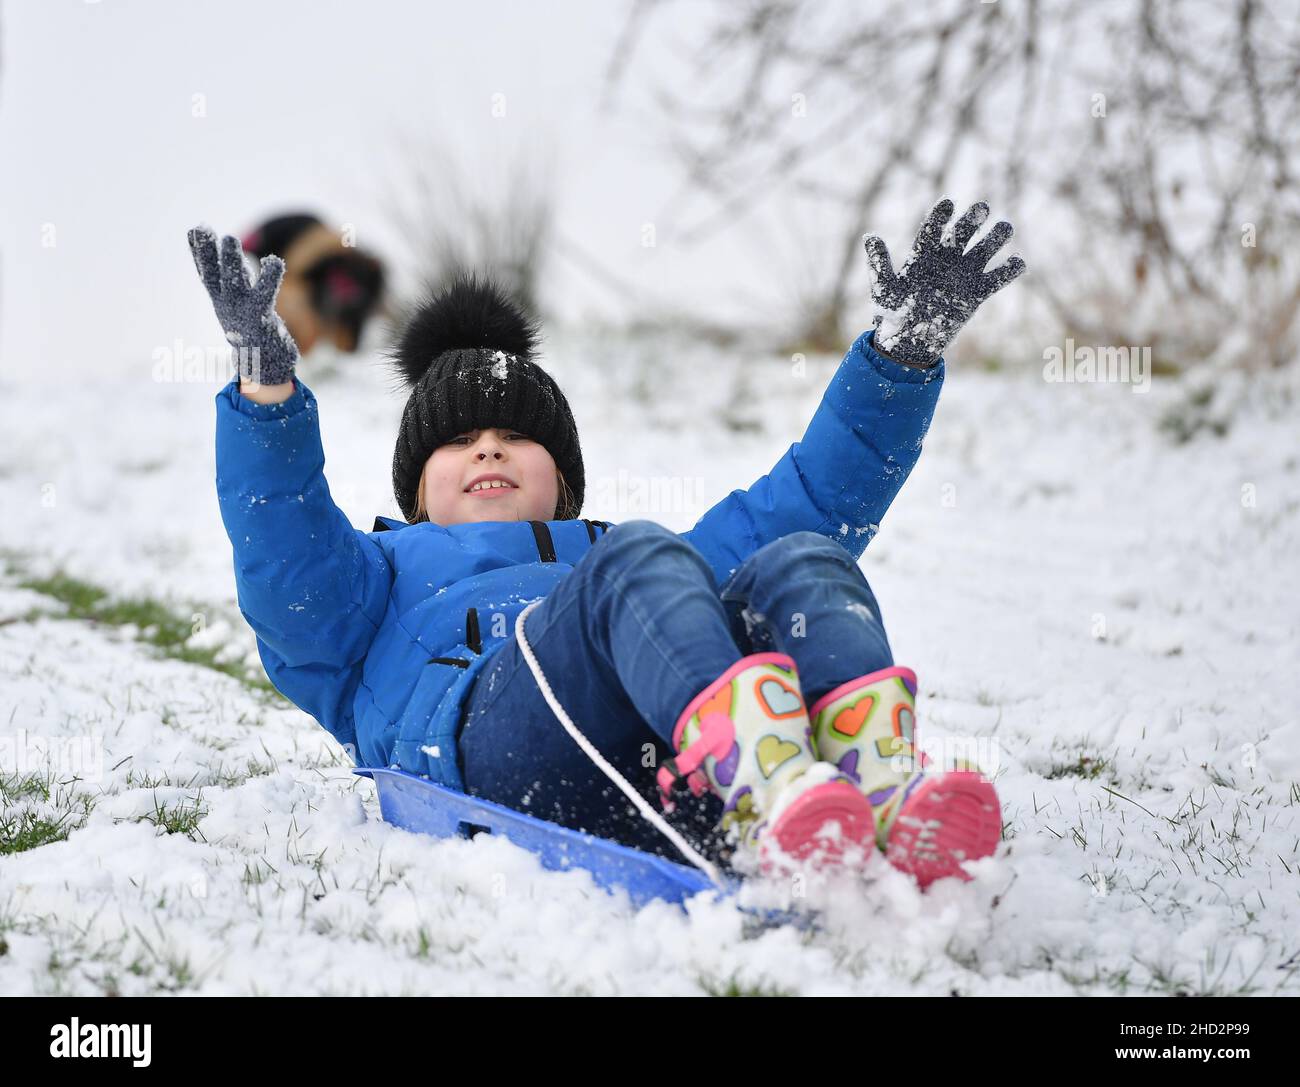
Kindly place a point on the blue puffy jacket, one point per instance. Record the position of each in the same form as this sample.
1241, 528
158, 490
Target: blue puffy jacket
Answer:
378, 635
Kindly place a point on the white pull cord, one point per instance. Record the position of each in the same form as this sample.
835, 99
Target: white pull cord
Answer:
647, 812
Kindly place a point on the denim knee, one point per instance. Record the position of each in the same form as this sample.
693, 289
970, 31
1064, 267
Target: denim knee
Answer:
803, 545
642, 537
774, 564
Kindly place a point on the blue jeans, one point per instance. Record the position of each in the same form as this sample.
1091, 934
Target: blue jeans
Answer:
626, 640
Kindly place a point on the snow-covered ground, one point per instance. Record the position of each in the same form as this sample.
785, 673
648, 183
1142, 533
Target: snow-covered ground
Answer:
1111, 616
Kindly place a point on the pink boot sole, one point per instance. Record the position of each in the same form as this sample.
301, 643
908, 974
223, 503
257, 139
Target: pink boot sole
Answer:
948, 819
802, 834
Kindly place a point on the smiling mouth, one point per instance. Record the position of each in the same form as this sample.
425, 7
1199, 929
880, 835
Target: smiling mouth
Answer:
495, 486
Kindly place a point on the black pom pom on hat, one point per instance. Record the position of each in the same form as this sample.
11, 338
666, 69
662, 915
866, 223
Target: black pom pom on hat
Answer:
467, 354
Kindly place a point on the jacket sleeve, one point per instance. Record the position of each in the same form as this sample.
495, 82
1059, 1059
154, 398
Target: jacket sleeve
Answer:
861, 445
313, 588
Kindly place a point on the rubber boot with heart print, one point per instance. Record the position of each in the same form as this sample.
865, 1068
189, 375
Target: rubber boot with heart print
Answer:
928, 821
747, 736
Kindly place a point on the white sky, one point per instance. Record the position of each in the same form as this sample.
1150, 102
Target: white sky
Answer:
101, 154
307, 105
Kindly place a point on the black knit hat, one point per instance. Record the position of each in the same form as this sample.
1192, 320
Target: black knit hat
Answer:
467, 354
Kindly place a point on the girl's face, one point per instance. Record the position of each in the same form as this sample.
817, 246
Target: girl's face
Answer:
458, 477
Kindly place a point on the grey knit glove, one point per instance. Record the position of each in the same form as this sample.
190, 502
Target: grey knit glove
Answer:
923, 307
264, 351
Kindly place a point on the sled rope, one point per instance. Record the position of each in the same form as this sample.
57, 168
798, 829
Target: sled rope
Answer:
647, 812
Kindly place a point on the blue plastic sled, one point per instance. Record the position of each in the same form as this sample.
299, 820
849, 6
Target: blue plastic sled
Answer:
414, 803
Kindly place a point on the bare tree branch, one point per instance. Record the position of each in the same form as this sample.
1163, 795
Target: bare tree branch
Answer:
1194, 142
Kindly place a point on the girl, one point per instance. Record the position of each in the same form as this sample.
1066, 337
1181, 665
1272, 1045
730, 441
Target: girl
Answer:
740, 668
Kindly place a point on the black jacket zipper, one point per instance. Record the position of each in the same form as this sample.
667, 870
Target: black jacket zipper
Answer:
546, 552
472, 638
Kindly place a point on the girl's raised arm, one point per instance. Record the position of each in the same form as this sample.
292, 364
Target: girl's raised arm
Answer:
861, 445
865, 437
313, 588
